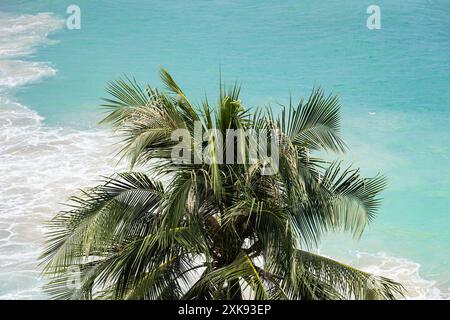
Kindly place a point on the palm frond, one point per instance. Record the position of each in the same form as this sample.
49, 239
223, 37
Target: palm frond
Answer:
329, 279
126, 95
314, 124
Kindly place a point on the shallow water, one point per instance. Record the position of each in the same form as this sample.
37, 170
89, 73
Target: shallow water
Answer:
393, 83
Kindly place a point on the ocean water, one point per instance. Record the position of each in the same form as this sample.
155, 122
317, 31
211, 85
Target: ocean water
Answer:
393, 82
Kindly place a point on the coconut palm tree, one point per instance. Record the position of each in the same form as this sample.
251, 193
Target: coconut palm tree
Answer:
171, 229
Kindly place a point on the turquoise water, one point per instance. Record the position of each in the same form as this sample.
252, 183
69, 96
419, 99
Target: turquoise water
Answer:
393, 83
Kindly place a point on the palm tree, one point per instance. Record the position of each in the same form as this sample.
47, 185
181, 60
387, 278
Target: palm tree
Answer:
179, 230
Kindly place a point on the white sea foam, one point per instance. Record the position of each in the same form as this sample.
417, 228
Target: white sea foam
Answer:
20, 35
404, 271
15, 73
40, 166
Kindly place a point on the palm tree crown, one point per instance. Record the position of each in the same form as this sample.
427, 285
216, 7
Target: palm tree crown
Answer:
208, 230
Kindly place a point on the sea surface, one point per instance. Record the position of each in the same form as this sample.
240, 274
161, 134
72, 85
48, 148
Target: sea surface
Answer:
394, 85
